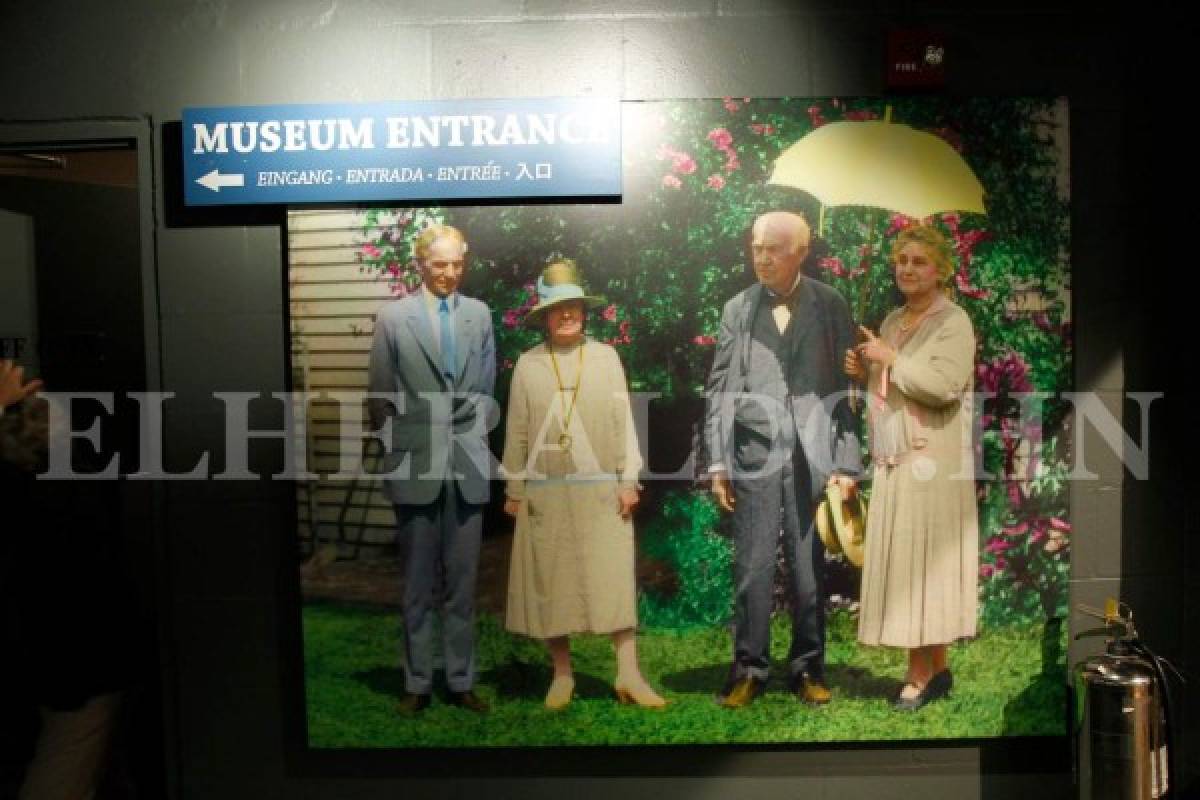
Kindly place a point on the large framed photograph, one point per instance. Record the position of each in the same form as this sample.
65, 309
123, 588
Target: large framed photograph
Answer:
922, 596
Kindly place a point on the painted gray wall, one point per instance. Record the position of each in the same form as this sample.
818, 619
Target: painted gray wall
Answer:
18, 286
221, 295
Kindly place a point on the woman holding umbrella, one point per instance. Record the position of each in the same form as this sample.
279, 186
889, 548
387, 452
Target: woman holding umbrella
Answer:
571, 460
919, 586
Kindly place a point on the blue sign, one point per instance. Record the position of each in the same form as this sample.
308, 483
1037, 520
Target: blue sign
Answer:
437, 150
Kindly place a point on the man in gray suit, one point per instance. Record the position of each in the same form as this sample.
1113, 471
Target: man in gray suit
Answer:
775, 436
433, 365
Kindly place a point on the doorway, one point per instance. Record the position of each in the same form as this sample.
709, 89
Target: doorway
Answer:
78, 309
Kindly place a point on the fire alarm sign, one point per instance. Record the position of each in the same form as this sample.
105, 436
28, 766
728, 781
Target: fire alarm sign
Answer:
916, 59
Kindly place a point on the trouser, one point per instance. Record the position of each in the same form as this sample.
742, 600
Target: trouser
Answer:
764, 506
439, 544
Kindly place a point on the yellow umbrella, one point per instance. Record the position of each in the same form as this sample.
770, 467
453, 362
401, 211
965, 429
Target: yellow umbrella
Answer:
880, 164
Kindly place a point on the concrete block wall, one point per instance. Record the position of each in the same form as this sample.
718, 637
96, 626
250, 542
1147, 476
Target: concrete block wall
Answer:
221, 289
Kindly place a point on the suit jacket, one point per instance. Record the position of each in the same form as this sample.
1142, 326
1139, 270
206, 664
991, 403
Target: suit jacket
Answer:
439, 428
816, 405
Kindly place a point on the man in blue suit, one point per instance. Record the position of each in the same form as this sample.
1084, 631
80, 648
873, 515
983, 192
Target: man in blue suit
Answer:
432, 372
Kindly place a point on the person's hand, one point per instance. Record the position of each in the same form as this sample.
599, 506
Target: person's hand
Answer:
13, 389
846, 485
512, 507
626, 500
722, 490
852, 365
875, 349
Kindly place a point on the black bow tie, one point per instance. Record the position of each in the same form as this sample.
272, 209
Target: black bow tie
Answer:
778, 300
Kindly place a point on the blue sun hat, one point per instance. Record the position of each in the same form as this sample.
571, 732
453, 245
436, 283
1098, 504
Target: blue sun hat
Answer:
559, 283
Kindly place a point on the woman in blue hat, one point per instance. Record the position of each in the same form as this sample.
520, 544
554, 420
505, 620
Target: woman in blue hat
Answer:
571, 462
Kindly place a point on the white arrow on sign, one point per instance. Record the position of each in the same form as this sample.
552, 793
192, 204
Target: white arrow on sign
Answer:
215, 180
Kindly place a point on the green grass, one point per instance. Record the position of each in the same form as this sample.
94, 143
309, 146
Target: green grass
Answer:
353, 681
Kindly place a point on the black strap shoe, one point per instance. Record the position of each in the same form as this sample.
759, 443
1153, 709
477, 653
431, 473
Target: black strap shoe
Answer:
938, 687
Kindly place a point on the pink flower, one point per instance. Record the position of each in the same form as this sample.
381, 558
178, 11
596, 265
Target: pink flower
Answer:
371, 251
671, 182
965, 243
996, 546
986, 570
967, 290
814, 116
512, 318
715, 182
609, 313
720, 138
683, 164
1060, 524
832, 264
731, 161
1019, 529
704, 341
1004, 374
622, 336
731, 105
897, 223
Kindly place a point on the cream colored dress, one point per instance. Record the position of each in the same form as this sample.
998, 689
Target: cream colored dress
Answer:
572, 568
921, 566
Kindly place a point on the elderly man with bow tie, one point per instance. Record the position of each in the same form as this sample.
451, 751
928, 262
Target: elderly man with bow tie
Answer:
777, 432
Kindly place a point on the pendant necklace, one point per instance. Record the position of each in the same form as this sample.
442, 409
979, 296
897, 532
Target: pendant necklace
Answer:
913, 320
564, 439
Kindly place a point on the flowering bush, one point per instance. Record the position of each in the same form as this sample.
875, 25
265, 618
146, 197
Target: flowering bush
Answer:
386, 245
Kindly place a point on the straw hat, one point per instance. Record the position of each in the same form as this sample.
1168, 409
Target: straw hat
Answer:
842, 526
559, 283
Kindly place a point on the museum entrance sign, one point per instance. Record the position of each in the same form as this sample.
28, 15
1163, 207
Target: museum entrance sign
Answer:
436, 150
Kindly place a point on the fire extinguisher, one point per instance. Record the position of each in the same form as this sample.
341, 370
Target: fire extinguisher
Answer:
1123, 741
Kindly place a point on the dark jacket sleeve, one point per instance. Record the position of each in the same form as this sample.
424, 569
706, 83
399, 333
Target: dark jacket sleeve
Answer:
716, 433
847, 450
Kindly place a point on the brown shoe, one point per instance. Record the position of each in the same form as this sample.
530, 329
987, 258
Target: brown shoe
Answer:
412, 703
812, 690
740, 693
470, 701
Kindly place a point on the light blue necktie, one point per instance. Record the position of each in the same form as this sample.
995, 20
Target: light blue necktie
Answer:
447, 340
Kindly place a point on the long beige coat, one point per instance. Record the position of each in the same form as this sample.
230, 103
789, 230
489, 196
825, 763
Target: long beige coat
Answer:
572, 568
920, 569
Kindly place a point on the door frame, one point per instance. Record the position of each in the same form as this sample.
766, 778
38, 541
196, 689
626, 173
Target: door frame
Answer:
138, 131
